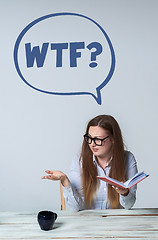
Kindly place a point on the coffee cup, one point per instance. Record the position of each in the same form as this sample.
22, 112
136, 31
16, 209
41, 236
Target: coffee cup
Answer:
46, 220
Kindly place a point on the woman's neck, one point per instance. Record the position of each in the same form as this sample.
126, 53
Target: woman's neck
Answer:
103, 162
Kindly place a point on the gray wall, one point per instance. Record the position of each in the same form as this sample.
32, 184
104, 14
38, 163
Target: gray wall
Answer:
42, 131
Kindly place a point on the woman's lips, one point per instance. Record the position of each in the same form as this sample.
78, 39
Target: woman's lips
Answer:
94, 149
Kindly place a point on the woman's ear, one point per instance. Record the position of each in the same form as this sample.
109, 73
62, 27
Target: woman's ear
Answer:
112, 140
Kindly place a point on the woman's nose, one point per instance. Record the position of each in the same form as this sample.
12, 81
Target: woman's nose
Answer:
93, 143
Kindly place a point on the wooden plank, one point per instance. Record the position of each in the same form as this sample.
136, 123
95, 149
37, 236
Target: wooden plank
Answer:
89, 224
63, 207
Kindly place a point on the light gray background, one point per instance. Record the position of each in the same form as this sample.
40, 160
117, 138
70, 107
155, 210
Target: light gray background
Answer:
40, 131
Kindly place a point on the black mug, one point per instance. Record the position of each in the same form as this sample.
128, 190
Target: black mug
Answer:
46, 220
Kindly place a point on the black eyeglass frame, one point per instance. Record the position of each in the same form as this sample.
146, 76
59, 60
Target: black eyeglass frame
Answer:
94, 139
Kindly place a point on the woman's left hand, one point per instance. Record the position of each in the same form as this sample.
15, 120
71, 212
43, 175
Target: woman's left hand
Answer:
123, 192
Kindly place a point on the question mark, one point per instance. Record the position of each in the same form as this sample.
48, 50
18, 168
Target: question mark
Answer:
98, 51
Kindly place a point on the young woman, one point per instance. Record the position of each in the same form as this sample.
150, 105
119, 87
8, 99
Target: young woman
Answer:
102, 154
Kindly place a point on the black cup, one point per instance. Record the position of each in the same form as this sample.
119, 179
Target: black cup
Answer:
46, 220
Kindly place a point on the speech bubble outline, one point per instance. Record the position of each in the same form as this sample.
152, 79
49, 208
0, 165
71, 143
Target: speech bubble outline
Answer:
98, 89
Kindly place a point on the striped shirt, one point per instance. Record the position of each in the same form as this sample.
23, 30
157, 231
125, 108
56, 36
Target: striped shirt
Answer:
74, 194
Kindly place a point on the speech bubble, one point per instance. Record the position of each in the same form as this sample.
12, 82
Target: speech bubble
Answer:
64, 53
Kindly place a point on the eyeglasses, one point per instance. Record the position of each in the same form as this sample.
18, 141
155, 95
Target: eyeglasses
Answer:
97, 141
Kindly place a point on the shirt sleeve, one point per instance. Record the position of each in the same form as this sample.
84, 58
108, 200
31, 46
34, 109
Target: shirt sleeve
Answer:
128, 201
73, 193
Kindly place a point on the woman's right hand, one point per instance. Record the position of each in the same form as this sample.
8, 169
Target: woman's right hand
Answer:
57, 175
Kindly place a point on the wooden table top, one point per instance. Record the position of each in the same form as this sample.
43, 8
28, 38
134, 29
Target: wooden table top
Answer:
117, 224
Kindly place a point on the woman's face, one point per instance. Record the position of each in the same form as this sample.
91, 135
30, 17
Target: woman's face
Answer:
105, 150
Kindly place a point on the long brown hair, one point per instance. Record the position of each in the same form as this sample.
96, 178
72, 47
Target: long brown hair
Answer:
89, 170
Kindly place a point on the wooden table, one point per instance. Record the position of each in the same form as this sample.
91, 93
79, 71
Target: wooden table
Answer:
117, 224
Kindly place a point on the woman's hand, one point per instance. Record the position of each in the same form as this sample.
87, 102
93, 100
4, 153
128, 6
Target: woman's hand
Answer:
54, 175
57, 175
123, 192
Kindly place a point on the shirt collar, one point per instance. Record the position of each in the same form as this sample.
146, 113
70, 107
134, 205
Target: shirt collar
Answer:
96, 163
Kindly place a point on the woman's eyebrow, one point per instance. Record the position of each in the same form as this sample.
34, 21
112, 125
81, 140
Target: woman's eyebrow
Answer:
95, 136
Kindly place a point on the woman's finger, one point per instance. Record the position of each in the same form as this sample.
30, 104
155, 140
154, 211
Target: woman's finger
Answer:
44, 177
49, 172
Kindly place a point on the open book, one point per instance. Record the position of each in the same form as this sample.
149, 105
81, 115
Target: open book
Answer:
128, 184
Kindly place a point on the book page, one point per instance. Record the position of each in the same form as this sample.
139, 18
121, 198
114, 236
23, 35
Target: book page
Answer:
136, 179
112, 181
128, 184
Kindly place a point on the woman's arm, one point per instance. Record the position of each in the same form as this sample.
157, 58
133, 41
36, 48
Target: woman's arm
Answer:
73, 193
71, 184
128, 196
127, 201
57, 175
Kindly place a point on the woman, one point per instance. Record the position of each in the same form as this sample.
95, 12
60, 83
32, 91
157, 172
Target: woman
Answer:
102, 154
